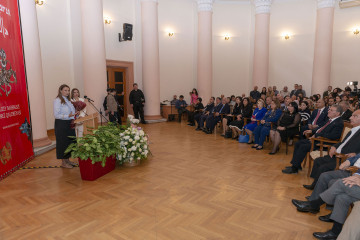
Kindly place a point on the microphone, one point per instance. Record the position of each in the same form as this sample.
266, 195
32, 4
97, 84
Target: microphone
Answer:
89, 99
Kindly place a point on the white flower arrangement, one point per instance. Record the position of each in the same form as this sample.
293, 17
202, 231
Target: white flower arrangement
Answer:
133, 145
133, 120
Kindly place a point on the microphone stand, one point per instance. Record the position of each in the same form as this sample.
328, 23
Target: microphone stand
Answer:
99, 111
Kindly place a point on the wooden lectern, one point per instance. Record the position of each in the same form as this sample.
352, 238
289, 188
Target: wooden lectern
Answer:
90, 121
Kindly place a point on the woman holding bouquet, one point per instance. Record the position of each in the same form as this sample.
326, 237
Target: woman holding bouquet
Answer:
64, 113
76, 99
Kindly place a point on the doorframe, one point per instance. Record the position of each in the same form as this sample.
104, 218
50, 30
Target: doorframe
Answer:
129, 79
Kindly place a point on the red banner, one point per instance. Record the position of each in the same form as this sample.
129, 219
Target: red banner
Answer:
15, 131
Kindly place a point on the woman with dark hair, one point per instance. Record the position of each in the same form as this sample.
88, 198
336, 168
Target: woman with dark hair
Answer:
304, 112
263, 130
263, 91
194, 96
287, 127
64, 113
229, 118
245, 112
337, 99
257, 115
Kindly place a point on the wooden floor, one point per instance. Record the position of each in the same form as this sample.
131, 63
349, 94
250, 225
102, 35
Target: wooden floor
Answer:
195, 186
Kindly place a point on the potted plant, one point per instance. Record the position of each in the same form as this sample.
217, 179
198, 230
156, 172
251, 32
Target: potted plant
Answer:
133, 145
97, 151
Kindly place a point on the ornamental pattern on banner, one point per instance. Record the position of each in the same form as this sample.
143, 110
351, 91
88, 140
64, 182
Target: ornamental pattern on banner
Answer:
15, 126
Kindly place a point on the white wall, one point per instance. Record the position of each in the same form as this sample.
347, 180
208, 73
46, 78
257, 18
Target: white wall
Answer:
291, 61
56, 50
177, 53
231, 58
346, 47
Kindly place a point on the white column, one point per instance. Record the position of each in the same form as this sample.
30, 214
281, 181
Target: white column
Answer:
204, 58
323, 46
34, 72
261, 43
150, 58
93, 52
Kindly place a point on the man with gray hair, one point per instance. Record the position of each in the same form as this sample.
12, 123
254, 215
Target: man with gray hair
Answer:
331, 130
346, 110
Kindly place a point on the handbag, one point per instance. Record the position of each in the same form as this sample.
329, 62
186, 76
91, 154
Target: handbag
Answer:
244, 138
228, 134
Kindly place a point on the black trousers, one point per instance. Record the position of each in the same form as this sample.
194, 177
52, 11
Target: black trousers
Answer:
115, 118
139, 110
301, 148
321, 165
197, 118
63, 131
181, 111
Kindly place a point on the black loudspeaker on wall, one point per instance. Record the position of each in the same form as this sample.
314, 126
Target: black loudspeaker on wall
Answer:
128, 32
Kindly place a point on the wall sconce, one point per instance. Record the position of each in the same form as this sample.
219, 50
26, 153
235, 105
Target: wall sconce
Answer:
39, 2
171, 34
356, 31
107, 20
227, 37
287, 37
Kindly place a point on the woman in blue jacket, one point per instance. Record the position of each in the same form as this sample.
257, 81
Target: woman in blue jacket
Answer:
257, 115
263, 130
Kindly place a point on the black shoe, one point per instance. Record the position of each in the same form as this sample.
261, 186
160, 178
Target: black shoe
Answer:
143, 122
260, 148
291, 170
326, 218
189, 124
300, 168
198, 129
298, 203
254, 146
329, 235
223, 135
307, 197
208, 132
306, 207
272, 153
309, 187
250, 142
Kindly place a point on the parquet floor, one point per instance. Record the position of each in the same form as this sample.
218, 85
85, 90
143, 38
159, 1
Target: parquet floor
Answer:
195, 186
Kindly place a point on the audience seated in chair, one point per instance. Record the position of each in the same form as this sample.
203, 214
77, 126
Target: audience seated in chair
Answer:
286, 127
245, 113
229, 118
263, 129
201, 117
351, 228
257, 115
213, 119
331, 130
337, 188
205, 117
346, 110
349, 146
255, 95
198, 107
181, 105
318, 118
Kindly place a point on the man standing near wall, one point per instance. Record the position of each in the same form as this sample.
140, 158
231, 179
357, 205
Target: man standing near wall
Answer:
137, 101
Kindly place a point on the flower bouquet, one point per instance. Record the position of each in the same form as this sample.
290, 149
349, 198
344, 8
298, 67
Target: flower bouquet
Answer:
134, 146
79, 106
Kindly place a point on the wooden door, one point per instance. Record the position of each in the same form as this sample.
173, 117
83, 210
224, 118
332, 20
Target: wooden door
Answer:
116, 78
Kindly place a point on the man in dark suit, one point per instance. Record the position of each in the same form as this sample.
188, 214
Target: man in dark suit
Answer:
349, 146
137, 101
197, 109
317, 119
331, 130
341, 194
201, 117
216, 108
328, 92
255, 95
346, 110
212, 120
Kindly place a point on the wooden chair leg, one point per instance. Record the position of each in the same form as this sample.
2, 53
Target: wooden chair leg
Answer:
310, 166
305, 160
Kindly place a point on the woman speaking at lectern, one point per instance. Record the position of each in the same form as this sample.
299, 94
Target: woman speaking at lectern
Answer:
64, 113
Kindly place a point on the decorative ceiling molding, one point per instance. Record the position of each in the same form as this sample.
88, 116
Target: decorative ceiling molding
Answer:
262, 6
205, 5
